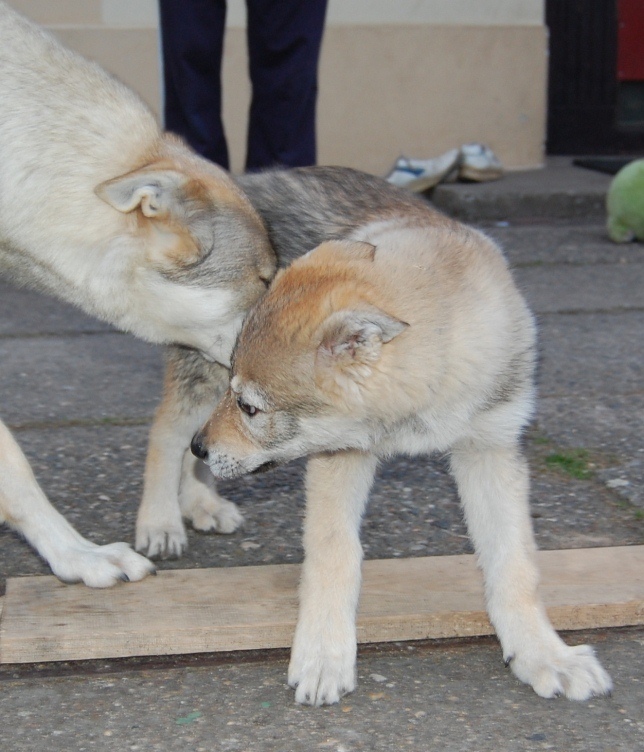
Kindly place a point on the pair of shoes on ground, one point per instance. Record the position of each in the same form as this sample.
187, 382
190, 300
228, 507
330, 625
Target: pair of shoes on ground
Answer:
471, 162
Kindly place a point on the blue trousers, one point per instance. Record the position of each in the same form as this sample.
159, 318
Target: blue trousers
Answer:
284, 40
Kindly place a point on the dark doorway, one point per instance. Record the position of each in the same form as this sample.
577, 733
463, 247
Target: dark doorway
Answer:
595, 95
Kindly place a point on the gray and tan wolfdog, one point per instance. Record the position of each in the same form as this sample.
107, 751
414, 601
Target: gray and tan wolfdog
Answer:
402, 332
98, 208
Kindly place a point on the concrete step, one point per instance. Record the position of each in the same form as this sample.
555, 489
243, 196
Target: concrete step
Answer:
558, 191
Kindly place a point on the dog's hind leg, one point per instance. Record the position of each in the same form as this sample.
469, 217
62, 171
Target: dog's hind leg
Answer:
322, 666
72, 558
493, 485
174, 486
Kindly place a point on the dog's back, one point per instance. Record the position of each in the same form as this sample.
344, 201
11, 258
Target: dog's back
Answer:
427, 261
65, 125
306, 206
50, 91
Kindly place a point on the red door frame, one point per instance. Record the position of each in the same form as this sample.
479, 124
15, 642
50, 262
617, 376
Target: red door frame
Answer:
630, 40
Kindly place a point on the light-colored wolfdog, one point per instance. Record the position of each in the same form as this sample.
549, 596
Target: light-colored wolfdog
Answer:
99, 208
404, 333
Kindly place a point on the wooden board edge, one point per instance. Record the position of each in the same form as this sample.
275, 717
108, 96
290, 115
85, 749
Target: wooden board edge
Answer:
371, 629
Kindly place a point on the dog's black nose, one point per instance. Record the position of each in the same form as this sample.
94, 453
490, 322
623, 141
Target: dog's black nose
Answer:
198, 446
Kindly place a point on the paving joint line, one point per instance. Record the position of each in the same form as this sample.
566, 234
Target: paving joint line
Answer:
582, 311
63, 333
80, 423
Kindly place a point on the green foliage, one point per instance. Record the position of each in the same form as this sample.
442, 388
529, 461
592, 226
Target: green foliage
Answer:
573, 462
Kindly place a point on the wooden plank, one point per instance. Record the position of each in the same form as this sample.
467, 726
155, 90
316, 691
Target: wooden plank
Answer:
244, 608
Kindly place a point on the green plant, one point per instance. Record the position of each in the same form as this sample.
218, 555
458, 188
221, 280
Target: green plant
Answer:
573, 462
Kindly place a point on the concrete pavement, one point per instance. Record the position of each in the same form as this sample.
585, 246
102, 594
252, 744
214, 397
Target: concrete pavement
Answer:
80, 397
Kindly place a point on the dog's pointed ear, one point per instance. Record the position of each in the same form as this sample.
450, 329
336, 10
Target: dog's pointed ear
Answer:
155, 192
180, 231
351, 340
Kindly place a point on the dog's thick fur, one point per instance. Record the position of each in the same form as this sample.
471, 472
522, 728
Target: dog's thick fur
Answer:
100, 209
404, 334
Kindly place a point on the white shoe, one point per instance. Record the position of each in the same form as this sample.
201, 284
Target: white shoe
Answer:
418, 175
479, 163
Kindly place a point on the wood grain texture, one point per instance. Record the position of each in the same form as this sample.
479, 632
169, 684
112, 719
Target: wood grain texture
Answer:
245, 608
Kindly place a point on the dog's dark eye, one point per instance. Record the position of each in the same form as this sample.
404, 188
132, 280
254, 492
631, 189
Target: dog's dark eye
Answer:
248, 409
266, 281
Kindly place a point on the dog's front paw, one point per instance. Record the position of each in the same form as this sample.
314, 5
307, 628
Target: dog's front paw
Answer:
210, 513
157, 540
570, 671
101, 566
322, 675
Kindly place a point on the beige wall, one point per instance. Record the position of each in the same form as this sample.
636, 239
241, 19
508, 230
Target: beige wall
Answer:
405, 12
415, 90
413, 77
